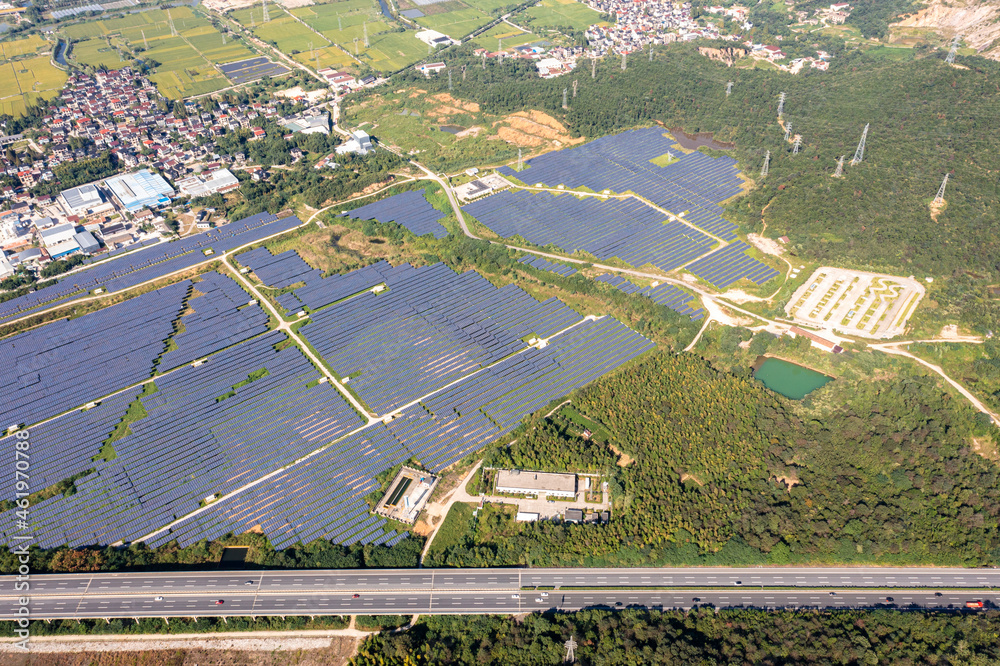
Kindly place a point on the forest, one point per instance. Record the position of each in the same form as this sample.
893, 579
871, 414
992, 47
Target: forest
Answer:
926, 119
877, 467
702, 636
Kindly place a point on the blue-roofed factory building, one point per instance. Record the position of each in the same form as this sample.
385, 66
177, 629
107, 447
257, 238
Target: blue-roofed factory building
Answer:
143, 189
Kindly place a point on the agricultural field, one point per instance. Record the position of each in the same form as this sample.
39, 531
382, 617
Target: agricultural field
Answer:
186, 61
330, 56
26, 82
456, 23
287, 34
855, 302
25, 46
561, 14
511, 37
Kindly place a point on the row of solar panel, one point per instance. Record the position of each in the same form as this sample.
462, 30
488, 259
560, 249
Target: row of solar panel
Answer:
409, 209
544, 265
732, 264
664, 294
148, 263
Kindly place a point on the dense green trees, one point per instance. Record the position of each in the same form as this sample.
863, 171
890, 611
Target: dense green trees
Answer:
727, 472
699, 637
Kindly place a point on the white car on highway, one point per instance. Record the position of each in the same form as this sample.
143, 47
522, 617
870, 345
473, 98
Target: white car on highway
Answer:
515, 596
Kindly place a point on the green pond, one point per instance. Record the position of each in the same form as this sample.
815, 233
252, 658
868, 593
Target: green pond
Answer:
790, 380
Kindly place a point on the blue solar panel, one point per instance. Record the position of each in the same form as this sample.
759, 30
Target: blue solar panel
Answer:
665, 294
409, 209
732, 264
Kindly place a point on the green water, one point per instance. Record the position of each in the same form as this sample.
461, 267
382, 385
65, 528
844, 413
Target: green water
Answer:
790, 380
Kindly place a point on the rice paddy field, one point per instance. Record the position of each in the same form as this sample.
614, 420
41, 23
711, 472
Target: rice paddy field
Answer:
330, 56
286, 33
511, 37
26, 82
560, 13
187, 59
26, 46
457, 23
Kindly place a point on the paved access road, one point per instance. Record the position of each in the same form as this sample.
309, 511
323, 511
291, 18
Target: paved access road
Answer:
486, 590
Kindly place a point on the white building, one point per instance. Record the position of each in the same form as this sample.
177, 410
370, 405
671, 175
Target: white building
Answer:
220, 181
57, 234
435, 38
520, 482
81, 200
359, 143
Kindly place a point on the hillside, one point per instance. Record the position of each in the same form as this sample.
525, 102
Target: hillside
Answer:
976, 21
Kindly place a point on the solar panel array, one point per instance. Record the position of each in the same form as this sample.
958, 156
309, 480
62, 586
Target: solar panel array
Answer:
210, 430
200, 437
624, 228
251, 69
731, 264
409, 209
149, 263
692, 183
543, 264
665, 294
222, 316
429, 328
50, 369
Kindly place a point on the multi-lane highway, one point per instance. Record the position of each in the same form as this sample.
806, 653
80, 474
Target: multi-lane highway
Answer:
403, 591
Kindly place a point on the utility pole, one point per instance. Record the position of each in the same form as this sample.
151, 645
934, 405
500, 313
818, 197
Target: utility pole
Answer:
954, 50
788, 130
781, 105
767, 161
797, 144
839, 173
729, 88
939, 199
265, 18
574, 88
624, 56
859, 154
565, 104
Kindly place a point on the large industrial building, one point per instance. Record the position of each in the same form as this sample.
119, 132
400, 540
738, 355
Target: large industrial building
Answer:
359, 143
521, 482
84, 201
142, 189
220, 181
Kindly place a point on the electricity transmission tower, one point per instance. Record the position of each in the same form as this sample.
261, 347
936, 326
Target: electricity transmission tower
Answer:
355, 47
574, 88
520, 162
939, 199
797, 144
450, 87
650, 52
170, 22
339, 26
729, 88
859, 154
484, 59
839, 173
565, 103
463, 72
593, 67
781, 105
767, 161
788, 131
570, 646
265, 18
954, 50
366, 34
499, 44
223, 39
624, 55
146, 44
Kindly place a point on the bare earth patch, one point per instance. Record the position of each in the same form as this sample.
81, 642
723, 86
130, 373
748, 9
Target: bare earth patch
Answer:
624, 459
470, 107
766, 245
534, 128
472, 131
422, 529
739, 296
691, 477
985, 447
789, 481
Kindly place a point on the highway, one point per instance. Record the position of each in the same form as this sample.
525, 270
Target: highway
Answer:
406, 591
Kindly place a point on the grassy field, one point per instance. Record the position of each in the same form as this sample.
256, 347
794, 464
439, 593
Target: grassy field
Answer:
330, 56
282, 30
456, 525
394, 50
25, 46
486, 6
97, 53
456, 24
28, 81
562, 13
511, 37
